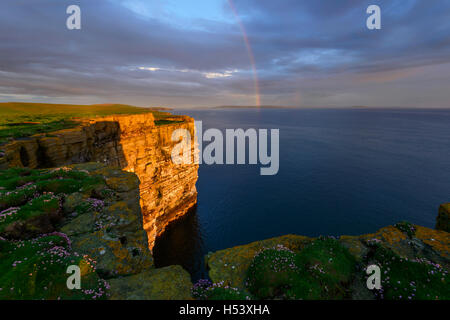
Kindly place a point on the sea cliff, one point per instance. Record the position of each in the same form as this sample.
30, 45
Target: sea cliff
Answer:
133, 143
97, 196
89, 215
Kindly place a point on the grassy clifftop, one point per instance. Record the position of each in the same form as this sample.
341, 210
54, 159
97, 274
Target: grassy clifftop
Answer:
19, 119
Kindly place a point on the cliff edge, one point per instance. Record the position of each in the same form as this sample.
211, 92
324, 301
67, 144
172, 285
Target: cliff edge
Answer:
133, 143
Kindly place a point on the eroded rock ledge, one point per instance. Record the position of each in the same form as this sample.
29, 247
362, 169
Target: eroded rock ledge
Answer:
132, 143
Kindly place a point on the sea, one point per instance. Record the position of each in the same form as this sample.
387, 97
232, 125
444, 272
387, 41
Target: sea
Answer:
344, 171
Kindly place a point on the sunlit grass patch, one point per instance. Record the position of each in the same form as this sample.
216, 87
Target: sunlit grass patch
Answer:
18, 119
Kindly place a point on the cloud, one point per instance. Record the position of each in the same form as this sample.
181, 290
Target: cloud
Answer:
161, 54
149, 68
208, 75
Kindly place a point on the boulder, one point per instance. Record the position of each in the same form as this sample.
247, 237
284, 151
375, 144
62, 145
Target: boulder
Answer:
230, 265
169, 283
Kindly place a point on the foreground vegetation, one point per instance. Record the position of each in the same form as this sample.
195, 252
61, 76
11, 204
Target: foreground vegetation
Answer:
18, 119
33, 256
36, 269
330, 268
37, 205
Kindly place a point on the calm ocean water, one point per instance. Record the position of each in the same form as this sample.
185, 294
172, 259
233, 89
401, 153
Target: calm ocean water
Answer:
348, 171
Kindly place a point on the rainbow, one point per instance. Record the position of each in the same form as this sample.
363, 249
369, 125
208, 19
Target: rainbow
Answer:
249, 52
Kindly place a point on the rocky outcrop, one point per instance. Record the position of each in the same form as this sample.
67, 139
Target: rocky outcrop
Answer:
169, 283
443, 219
100, 228
133, 143
112, 235
230, 265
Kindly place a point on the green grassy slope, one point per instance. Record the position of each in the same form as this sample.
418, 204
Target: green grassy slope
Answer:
19, 119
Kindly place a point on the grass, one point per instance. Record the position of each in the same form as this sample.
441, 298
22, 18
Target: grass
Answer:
406, 227
272, 272
18, 119
33, 257
326, 270
31, 201
322, 270
36, 269
45, 205
404, 279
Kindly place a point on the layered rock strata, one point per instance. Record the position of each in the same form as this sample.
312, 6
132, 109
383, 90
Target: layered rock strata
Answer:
133, 143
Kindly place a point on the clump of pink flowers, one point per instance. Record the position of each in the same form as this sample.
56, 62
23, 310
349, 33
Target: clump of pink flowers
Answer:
8, 212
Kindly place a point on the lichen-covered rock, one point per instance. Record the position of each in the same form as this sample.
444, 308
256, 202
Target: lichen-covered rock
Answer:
100, 222
407, 241
124, 255
169, 283
437, 240
354, 245
31, 201
443, 219
424, 242
36, 269
112, 232
71, 202
230, 265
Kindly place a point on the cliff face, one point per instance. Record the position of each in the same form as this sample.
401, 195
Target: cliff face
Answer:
133, 143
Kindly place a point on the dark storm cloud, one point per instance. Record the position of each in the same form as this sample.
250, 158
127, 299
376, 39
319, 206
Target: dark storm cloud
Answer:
414, 33
318, 50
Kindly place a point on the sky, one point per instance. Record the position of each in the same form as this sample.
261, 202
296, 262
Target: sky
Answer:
206, 53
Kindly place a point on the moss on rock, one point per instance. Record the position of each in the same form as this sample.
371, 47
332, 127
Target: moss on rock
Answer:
169, 283
335, 269
230, 265
103, 222
36, 269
